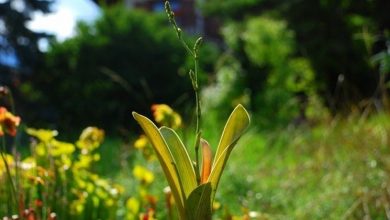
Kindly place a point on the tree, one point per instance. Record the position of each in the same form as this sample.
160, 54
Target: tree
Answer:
126, 60
17, 42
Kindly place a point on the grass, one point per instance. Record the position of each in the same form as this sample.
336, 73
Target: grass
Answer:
338, 169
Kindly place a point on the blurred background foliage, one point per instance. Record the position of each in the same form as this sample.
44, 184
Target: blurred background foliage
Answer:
125, 56
273, 81
338, 38
290, 61
314, 75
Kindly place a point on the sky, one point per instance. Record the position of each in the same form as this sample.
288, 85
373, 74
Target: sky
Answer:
62, 20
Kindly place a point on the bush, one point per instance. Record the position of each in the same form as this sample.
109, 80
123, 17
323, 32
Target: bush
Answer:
262, 67
126, 60
338, 37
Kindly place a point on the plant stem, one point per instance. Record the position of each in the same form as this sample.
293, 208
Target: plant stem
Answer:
11, 101
194, 81
198, 119
14, 149
10, 182
197, 99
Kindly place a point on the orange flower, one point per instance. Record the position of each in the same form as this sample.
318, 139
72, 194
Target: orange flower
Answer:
149, 215
8, 122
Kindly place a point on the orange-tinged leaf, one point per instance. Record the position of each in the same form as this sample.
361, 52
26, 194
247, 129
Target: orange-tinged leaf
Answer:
206, 160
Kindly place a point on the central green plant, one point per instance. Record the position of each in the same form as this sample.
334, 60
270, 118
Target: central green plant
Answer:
193, 186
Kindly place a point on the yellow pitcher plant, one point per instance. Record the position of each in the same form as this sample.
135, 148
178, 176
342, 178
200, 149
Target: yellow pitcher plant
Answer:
193, 187
193, 199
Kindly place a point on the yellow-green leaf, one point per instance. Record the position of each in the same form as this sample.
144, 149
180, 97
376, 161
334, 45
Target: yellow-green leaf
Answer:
236, 125
183, 162
198, 204
164, 155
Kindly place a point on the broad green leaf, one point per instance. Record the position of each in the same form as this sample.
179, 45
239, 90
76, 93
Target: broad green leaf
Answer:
183, 162
164, 156
236, 125
198, 204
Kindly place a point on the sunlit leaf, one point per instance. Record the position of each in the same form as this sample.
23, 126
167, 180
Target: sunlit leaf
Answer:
184, 166
164, 156
236, 125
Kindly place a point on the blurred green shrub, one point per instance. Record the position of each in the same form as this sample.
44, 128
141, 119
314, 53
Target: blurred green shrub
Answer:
228, 89
338, 37
124, 61
262, 69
